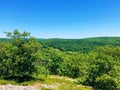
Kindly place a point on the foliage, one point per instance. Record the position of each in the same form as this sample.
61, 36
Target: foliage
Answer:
102, 71
94, 61
80, 45
105, 82
17, 58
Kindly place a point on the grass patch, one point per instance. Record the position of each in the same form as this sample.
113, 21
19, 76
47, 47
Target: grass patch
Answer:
73, 87
5, 82
64, 83
50, 80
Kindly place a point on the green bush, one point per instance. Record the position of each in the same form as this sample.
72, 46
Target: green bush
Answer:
105, 82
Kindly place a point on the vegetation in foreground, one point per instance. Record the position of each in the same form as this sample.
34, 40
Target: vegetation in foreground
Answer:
24, 58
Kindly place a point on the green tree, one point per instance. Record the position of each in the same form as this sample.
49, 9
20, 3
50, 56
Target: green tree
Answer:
56, 63
105, 82
19, 56
104, 69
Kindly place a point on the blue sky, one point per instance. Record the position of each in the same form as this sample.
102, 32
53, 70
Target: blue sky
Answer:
61, 18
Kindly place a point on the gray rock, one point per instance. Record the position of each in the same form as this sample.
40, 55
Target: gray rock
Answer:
13, 87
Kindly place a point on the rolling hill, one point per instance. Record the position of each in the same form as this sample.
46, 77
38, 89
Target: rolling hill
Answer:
76, 45
80, 45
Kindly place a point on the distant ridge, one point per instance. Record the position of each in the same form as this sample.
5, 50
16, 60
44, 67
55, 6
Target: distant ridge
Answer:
81, 45
84, 45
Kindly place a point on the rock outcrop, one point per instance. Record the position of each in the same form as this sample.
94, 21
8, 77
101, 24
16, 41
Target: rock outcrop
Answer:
14, 87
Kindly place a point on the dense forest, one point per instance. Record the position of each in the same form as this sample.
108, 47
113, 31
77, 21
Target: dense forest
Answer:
80, 45
93, 61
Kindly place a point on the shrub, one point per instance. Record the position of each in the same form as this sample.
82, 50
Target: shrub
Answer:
105, 82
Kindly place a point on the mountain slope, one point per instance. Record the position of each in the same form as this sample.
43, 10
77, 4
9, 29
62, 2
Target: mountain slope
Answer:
81, 45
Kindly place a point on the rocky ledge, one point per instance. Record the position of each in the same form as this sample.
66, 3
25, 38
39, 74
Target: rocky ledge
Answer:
13, 87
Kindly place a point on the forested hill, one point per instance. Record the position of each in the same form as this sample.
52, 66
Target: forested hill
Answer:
77, 45
80, 45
